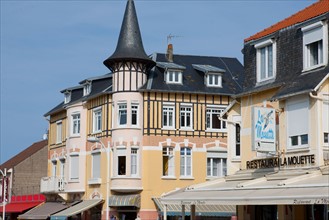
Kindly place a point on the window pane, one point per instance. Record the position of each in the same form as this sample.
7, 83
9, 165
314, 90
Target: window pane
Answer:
96, 160
122, 114
134, 161
294, 140
304, 139
237, 140
270, 61
122, 165
134, 114
208, 166
262, 63
325, 137
75, 167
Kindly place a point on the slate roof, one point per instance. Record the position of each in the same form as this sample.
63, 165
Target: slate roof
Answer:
18, 158
290, 78
310, 12
130, 45
100, 85
193, 80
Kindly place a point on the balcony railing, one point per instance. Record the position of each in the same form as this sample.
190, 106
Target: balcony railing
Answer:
52, 184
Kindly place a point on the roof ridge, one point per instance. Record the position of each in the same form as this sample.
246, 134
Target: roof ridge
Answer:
314, 10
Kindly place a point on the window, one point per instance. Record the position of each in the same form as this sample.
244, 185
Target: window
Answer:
185, 162
174, 76
54, 168
266, 53
325, 122
212, 120
168, 166
122, 114
314, 38
134, 161
134, 114
74, 167
121, 161
185, 117
97, 120
216, 167
67, 97
62, 168
214, 80
59, 130
96, 164
297, 129
168, 117
237, 140
87, 88
76, 124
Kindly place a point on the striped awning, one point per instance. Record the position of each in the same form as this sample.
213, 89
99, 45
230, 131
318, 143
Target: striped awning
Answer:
200, 210
125, 200
76, 209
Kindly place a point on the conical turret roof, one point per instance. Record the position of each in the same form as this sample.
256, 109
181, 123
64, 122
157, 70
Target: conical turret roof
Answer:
130, 45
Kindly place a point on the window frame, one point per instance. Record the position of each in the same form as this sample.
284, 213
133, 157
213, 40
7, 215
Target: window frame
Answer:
325, 117
298, 107
221, 167
134, 111
223, 124
67, 97
185, 162
177, 76
87, 88
315, 33
59, 131
97, 120
73, 121
134, 152
168, 108
96, 154
168, 152
122, 108
213, 76
184, 113
74, 170
265, 45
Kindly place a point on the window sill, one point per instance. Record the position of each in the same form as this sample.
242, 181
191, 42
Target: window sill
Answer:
297, 149
96, 132
168, 177
126, 177
213, 177
94, 181
186, 129
75, 136
236, 159
168, 129
73, 181
216, 130
313, 67
186, 178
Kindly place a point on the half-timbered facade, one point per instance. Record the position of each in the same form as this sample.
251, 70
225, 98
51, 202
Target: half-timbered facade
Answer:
154, 123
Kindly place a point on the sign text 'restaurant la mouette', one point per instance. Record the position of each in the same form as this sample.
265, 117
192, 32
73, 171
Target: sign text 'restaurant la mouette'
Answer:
276, 162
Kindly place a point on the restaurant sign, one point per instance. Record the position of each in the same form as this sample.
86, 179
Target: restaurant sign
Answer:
281, 162
264, 138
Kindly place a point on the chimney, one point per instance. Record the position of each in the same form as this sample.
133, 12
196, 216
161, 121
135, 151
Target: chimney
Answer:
169, 54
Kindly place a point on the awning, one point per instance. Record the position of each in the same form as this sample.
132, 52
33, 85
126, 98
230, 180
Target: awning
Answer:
43, 211
76, 209
200, 210
18, 207
125, 200
279, 188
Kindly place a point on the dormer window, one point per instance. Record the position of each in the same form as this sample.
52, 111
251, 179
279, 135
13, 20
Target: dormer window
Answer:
87, 88
213, 74
266, 60
314, 45
174, 76
173, 72
214, 80
67, 97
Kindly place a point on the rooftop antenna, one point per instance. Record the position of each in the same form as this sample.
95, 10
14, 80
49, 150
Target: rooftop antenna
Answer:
170, 37
170, 49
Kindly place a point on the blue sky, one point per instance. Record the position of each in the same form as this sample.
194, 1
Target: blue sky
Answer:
47, 46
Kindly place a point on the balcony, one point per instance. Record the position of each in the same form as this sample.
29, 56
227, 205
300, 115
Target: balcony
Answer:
52, 184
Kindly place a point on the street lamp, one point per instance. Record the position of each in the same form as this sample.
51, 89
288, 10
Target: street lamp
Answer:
4, 193
96, 140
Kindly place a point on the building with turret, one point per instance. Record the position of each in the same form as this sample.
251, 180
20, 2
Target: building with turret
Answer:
152, 124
